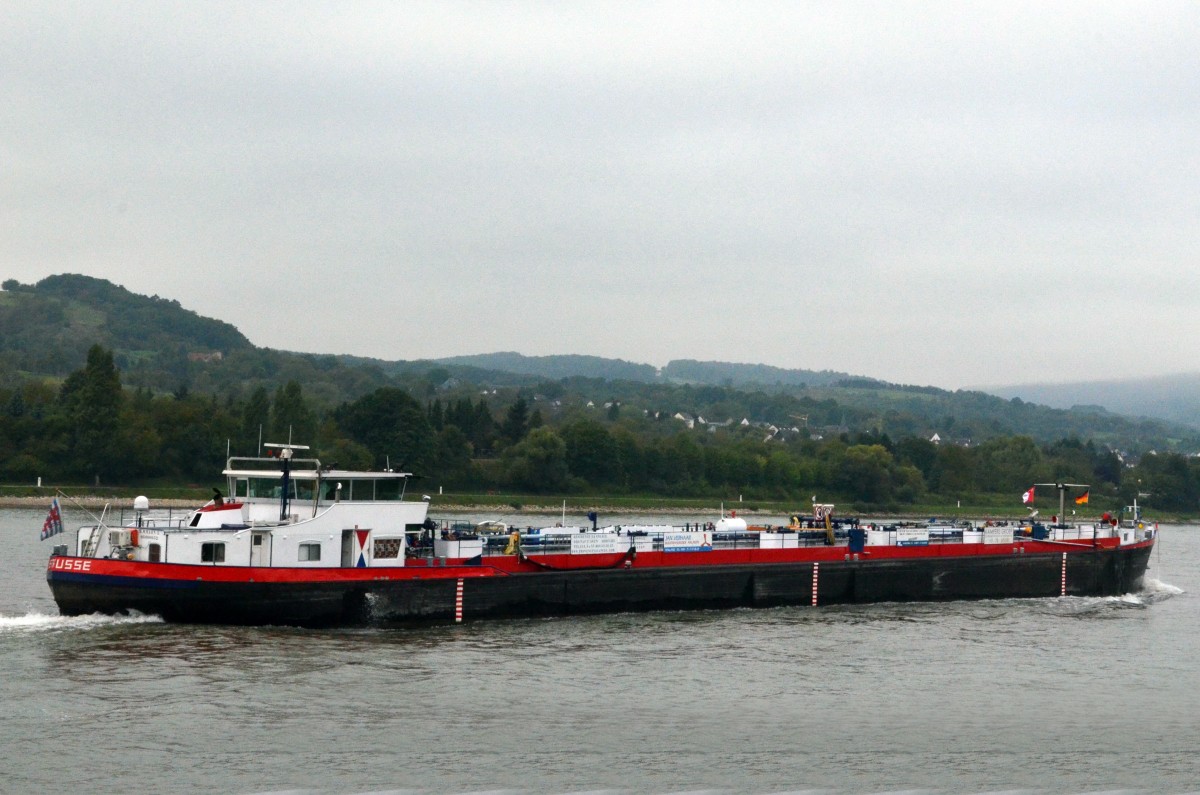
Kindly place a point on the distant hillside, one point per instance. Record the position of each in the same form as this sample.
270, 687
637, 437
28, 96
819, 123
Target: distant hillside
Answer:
556, 367
690, 371
1172, 397
48, 327
678, 371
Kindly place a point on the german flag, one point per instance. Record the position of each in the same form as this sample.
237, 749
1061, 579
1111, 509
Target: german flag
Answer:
1083, 498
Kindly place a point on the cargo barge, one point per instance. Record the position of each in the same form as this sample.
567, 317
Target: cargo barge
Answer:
297, 543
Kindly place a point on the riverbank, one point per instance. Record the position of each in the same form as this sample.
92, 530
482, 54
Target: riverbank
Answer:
500, 505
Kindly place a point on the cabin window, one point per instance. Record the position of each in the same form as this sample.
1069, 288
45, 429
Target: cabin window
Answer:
387, 489
266, 487
304, 489
362, 490
212, 552
154, 553
387, 547
309, 552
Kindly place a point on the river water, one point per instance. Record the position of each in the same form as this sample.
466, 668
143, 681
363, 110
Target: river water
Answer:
1049, 695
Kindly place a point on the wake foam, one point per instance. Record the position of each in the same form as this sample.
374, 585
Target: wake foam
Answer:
1125, 599
40, 622
1153, 586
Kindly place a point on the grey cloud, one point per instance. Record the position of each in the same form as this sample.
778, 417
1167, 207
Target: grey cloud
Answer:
855, 186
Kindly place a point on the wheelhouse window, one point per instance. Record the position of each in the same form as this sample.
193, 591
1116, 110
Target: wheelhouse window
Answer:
309, 552
212, 552
374, 490
304, 489
265, 487
387, 489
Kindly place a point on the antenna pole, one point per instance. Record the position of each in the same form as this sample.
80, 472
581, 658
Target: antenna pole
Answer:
286, 456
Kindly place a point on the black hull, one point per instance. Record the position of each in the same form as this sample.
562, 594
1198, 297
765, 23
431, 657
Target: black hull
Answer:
565, 593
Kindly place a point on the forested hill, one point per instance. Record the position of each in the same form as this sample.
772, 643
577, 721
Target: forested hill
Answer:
556, 367
690, 371
677, 371
46, 330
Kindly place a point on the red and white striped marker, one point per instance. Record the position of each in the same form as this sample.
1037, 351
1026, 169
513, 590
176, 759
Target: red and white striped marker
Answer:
1064, 575
816, 569
458, 603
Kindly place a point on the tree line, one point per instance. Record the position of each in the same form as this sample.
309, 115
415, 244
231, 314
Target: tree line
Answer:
91, 429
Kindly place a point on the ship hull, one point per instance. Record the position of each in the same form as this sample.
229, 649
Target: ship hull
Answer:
306, 597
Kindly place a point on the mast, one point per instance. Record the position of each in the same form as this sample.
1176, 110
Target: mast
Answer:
1063, 489
285, 455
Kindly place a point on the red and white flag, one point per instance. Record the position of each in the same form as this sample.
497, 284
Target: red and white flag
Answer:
53, 524
1027, 497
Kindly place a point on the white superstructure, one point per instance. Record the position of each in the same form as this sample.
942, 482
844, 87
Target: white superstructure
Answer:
280, 511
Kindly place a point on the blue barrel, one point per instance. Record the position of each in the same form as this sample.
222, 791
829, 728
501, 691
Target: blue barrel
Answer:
858, 539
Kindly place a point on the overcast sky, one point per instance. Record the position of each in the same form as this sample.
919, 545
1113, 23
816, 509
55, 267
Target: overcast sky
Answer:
932, 193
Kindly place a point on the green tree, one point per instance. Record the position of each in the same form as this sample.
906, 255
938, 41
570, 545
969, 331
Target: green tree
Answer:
483, 428
538, 462
783, 474
292, 420
516, 421
954, 471
918, 452
342, 453
256, 420
631, 453
392, 425
866, 473
1170, 480
1009, 464
437, 417
592, 452
92, 400
453, 455
678, 464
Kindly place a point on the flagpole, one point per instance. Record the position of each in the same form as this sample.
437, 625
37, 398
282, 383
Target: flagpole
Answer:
1063, 488
80, 505
99, 520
